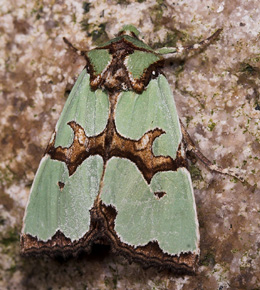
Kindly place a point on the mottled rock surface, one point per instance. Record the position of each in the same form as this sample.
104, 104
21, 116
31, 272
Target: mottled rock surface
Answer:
217, 96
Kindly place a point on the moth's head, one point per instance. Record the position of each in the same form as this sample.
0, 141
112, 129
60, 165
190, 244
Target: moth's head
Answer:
130, 30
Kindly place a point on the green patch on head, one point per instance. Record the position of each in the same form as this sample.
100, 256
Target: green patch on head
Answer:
131, 28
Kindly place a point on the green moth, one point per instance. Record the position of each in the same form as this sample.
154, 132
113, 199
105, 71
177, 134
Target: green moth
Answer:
115, 170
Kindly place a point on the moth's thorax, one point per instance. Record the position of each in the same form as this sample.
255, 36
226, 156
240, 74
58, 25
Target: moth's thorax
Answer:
116, 80
117, 66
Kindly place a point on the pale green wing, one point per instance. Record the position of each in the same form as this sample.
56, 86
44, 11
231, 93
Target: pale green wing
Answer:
143, 217
52, 208
154, 108
87, 108
59, 201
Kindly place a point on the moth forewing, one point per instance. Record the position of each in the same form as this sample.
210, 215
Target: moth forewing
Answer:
116, 171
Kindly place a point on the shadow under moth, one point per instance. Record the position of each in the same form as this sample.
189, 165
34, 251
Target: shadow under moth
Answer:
115, 170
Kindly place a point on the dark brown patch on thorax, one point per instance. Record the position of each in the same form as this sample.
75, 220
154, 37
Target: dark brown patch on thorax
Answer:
116, 77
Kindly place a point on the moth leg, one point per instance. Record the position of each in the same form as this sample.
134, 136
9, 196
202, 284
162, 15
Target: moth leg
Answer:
182, 51
190, 146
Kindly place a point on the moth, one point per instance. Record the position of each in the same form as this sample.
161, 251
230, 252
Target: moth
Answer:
115, 170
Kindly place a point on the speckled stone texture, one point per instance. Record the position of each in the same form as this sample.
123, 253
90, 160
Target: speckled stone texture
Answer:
216, 93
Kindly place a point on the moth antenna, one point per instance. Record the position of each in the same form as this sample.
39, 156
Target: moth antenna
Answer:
182, 51
204, 43
72, 47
